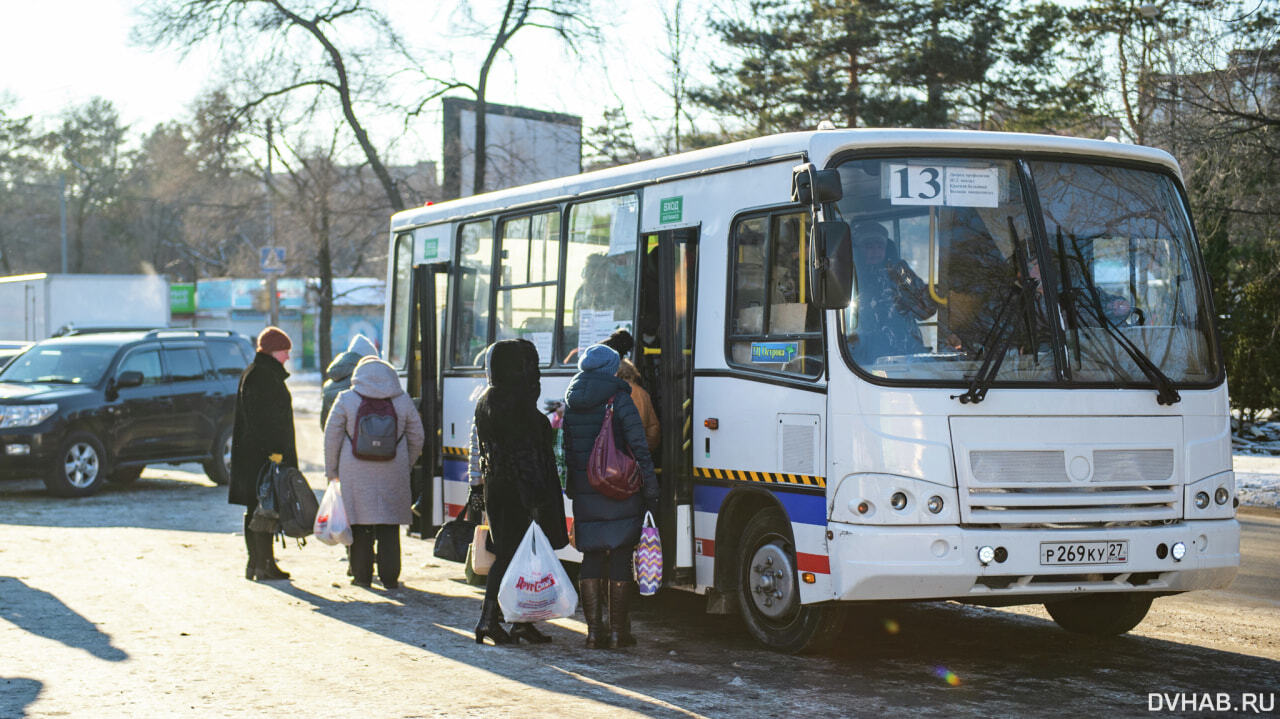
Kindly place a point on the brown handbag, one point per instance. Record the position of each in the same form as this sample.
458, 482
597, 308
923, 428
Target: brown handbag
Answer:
611, 471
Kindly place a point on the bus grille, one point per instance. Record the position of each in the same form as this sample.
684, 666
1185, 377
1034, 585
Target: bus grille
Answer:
1034, 487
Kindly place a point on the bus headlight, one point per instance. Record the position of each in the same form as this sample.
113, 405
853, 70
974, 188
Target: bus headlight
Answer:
986, 554
1221, 496
935, 504
898, 501
1178, 551
1202, 500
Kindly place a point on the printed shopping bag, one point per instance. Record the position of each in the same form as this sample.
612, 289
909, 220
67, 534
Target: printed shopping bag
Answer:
536, 587
331, 521
648, 558
481, 557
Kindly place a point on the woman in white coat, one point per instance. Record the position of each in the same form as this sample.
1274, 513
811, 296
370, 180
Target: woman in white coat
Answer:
375, 493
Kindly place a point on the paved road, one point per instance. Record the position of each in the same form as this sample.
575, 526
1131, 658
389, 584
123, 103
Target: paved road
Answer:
132, 603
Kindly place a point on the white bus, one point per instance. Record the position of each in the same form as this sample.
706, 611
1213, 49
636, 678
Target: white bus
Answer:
888, 364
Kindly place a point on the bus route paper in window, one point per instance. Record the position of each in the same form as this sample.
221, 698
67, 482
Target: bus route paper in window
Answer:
940, 185
594, 327
542, 343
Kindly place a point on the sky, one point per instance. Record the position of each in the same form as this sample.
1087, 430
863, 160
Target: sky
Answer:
58, 53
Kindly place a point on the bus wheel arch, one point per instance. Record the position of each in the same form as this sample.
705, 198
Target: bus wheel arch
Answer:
764, 579
738, 509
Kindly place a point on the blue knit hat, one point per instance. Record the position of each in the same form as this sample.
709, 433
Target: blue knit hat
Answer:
599, 358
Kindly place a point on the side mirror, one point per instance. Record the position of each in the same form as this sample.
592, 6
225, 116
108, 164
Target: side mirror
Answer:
811, 186
129, 378
831, 263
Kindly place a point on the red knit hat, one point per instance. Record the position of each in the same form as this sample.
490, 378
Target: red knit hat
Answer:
273, 339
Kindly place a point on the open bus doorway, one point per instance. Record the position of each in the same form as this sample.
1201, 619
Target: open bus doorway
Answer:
664, 356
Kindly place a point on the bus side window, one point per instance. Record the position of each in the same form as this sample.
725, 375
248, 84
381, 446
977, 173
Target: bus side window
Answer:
773, 326
600, 272
471, 323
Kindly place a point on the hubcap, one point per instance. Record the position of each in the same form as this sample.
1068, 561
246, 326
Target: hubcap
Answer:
226, 455
772, 581
81, 465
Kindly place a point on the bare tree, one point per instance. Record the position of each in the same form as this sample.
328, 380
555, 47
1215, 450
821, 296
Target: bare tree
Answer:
260, 40
569, 19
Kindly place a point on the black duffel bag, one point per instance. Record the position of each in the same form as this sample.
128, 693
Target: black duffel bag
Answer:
454, 538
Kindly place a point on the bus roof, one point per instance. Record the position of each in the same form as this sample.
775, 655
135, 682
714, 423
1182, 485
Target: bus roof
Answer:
816, 146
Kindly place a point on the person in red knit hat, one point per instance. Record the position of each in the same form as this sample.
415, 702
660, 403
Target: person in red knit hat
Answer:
263, 432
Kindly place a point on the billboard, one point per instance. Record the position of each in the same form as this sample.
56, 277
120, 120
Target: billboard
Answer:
524, 145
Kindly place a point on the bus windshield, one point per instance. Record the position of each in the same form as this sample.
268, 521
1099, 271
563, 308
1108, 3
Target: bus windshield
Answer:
952, 272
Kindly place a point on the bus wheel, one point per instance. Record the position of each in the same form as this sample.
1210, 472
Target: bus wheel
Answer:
769, 591
1100, 615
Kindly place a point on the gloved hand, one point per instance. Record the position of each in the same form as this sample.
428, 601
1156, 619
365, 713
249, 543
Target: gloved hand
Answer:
276, 457
475, 503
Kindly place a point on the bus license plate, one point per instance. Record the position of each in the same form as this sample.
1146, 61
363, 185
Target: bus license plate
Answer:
1108, 552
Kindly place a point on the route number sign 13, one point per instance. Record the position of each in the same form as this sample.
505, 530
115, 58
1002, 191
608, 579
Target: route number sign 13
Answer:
941, 185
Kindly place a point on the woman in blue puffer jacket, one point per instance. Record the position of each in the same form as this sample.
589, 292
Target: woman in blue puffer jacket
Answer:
606, 530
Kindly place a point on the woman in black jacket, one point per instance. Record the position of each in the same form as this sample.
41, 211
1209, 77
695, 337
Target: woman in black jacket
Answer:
518, 469
263, 427
606, 530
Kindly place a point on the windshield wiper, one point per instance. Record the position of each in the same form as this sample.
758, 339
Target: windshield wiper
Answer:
999, 336
1088, 300
998, 340
1092, 307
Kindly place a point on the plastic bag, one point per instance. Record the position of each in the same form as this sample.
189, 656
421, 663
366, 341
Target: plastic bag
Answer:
648, 558
536, 587
331, 521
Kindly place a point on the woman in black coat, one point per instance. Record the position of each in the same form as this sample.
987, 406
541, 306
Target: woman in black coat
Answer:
606, 530
263, 427
518, 469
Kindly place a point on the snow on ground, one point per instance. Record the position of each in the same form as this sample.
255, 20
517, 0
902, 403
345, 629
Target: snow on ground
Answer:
1258, 479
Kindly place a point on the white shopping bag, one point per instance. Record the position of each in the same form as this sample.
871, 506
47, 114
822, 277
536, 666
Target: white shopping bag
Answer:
331, 521
536, 587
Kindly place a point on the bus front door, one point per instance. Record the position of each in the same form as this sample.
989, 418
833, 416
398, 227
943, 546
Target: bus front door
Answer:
665, 351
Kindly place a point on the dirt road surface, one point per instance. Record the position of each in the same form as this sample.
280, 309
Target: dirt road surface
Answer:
133, 604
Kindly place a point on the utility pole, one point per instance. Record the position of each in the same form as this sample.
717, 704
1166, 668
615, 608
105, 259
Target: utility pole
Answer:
62, 217
272, 295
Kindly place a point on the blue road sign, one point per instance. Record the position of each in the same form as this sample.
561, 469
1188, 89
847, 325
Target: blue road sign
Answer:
272, 260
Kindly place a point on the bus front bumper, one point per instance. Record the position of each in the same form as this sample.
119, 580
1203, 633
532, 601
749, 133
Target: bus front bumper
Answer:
921, 562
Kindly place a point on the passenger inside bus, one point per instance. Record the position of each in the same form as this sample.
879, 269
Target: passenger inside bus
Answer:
890, 301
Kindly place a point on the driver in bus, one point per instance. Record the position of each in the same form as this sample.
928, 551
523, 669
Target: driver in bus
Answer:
891, 298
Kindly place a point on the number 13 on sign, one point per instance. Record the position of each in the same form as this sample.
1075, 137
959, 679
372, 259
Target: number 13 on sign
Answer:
916, 185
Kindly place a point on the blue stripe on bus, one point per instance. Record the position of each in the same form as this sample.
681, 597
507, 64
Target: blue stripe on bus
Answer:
455, 470
803, 508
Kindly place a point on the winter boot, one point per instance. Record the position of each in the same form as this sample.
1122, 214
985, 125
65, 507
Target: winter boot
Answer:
529, 633
267, 568
490, 625
251, 544
593, 601
620, 614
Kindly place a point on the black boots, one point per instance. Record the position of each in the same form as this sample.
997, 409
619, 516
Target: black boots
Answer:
262, 561
529, 633
620, 614
491, 625
593, 599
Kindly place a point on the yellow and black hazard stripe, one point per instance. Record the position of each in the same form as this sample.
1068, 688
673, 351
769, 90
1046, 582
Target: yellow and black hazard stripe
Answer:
799, 480
456, 452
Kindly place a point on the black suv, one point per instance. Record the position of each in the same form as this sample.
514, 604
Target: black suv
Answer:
89, 408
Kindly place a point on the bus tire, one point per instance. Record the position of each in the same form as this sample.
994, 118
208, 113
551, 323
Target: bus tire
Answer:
768, 590
1100, 615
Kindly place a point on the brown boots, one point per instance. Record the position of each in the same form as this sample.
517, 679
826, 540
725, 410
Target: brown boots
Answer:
618, 632
593, 599
620, 614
